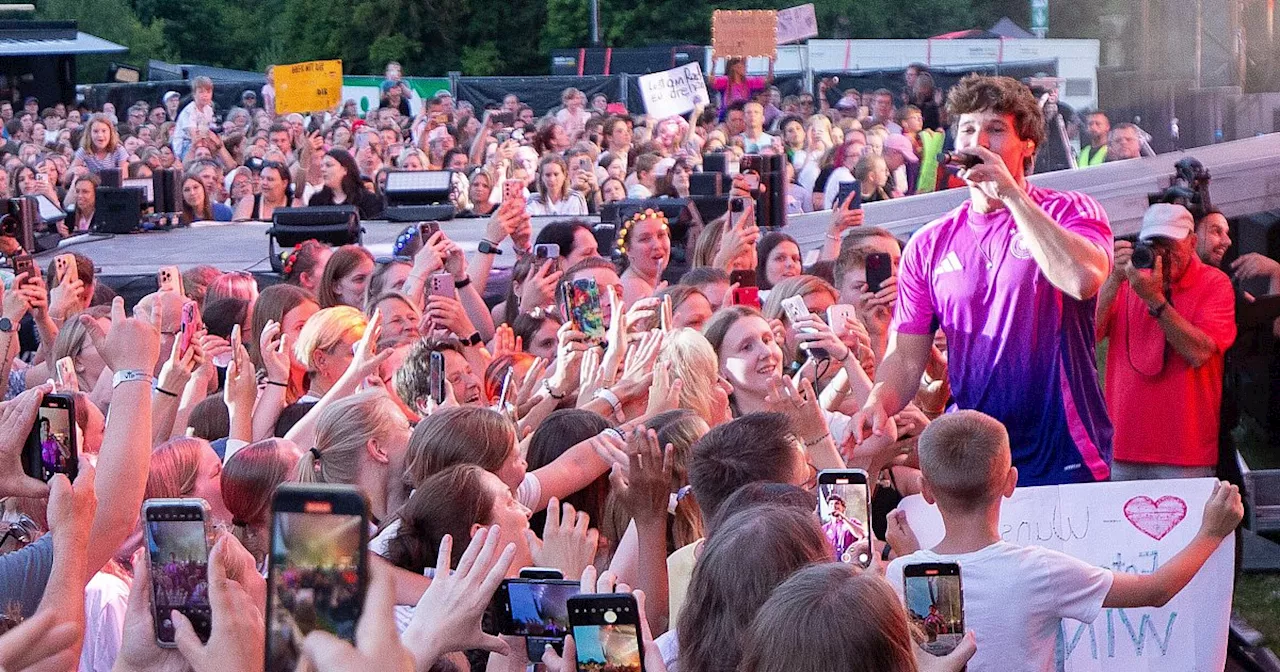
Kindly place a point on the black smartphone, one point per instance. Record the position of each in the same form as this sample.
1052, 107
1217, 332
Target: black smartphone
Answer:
606, 632
935, 603
546, 251
534, 607
436, 377
24, 263
849, 190
426, 230
844, 509
52, 447
879, 269
318, 572
540, 573
177, 532
743, 278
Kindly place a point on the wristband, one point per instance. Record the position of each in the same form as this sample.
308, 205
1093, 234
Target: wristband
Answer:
277, 384
820, 439
546, 385
459, 284
129, 376
163, 391
1158, 311
610, 397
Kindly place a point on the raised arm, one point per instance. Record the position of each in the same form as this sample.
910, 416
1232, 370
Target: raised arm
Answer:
897, 382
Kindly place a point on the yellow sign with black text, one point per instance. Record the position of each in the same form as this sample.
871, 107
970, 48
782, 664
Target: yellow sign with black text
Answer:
312, 86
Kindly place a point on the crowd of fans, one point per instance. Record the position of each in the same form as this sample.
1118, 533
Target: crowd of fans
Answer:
678, 455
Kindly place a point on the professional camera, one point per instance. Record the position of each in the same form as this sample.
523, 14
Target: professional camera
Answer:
1144, 255
1188, 188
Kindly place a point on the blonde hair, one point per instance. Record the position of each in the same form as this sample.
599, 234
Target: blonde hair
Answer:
73, 337
708, 244
822, 126
86, 141
175, 464
693, 362
800, 285
326, 329
342, 432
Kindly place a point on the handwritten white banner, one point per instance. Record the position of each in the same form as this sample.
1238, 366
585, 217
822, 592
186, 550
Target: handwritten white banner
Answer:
674, 91
1126, 527
796, 24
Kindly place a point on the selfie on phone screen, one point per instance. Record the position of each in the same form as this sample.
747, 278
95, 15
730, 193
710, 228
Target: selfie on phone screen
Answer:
177, 545
935, 605
842, 508
315, 581
56, 442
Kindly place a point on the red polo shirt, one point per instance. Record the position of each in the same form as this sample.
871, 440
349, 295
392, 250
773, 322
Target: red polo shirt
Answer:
1164, 410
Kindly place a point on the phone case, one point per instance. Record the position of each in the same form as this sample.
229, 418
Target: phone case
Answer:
795, 308
879, 269
838, 315
513, 190
170, 279
188, 328
747, 296
67, 379
442, 285
152, 512
584, 308
62, 266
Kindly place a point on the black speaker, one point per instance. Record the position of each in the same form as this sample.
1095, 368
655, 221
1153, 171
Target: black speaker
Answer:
714, 163
771, 199
706, 184
117, 210
109, 177
166, 190
331, 224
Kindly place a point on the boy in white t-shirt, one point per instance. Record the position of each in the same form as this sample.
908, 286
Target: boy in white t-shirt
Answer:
1016, 596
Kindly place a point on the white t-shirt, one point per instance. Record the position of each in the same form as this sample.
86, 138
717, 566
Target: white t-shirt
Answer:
105, 601
832, 188
1015, 598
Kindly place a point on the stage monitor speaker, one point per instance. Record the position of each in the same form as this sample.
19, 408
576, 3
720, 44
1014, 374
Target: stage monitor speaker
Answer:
771, 199
109, 177
715, 162
418, 187
166, 189
332, 225
117, 211
706, 184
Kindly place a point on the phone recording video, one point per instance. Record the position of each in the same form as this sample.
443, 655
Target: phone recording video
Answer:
178, 546
844, 511
582, 303
606, 632
879, 270
535, 608
318, 575
51, 445
935, 603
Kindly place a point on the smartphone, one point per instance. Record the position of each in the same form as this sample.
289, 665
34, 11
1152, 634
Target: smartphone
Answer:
745, 278
41, 177
546, 251
747, 296
582, 303
51, 446
935, 603
65, 375
844, 509
177, 535
849, 190
24, 263
879, 269
442, 285
540, 573
736, 204
534, 607
426, 230
606, 631
796, 310
170, 279
502, 118
318, 571
504, 393
838, 315
64, 265
436, 377
753, 180
190, 316
513, 190
663, 312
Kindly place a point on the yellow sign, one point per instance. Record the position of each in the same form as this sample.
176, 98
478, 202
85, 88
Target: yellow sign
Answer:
741, 33
308, 87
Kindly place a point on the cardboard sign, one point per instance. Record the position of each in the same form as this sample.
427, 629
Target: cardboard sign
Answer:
674, 91
742, 33
1133, 527
796, 24
313, 86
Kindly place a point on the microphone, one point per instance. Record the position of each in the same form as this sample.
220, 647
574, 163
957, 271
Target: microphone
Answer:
959, 160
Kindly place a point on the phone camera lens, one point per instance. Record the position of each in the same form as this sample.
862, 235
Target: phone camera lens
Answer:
610, 616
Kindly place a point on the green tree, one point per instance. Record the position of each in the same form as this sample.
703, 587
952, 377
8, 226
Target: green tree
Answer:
112, 20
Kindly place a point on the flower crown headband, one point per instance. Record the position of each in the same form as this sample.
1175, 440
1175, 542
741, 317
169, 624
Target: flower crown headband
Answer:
625, 228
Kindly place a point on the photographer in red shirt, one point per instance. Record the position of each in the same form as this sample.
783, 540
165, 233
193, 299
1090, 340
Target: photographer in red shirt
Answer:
1170, 318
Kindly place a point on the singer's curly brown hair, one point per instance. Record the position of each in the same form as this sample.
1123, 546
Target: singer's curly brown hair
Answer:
1002, 95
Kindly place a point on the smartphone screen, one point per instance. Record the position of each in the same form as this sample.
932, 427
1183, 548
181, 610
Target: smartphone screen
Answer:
188, 327
51, 445
849, 190
317, 579
427, 229
536, 608
844, 511
436, 377
935, 603
177, 543
879, 269
583, 300
606, 631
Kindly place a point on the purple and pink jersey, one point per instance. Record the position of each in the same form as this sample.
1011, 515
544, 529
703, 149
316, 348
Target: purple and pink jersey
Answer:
1020, 350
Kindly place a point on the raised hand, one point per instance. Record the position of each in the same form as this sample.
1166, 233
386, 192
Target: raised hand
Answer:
377, 645
274, 348
645, 488
130, 344
568, 542
16, 418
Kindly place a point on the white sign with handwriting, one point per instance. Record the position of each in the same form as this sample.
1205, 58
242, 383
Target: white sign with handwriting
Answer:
797, 23
674, 91
1130, 527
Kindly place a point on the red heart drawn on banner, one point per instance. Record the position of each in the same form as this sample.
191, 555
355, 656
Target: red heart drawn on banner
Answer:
1155, 518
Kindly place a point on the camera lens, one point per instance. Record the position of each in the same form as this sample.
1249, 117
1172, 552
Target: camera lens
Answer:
610, 616
1144, 256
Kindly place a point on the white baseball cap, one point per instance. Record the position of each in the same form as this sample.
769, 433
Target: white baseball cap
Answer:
1166, 220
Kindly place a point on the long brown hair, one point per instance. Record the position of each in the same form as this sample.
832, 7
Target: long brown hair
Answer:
273, 304
175, 464
449, 502
344, 261
830, 617
753, 552
457, 435
249, 481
